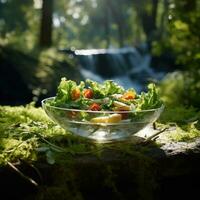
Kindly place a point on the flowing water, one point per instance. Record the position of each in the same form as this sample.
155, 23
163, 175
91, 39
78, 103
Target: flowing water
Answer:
127, 66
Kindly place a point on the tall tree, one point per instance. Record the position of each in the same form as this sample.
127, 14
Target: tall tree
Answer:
118, 18
46, 23
164, 19
107, 25
120, 14
147, 12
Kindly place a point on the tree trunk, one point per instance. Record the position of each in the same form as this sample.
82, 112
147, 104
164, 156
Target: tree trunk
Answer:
46, 23
120, 34
154, 13
107, 27
119, 22
164, 18
148, 19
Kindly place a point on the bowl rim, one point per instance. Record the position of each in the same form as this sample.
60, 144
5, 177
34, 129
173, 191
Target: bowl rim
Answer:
43, 102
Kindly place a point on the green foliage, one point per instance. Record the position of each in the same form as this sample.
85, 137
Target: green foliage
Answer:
80, 24
10, 9
172, 89
181, 88
182, 33
27, 134
22, 32
182, 39
179, 115
180, 93
86, 22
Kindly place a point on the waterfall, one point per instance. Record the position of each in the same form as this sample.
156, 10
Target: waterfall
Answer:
127, 66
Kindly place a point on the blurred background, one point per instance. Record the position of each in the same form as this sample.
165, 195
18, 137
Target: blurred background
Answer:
130, 41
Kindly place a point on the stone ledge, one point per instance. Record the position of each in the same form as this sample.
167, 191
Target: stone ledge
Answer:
155, 173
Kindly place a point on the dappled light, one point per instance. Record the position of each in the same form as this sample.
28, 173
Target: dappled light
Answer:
99, 99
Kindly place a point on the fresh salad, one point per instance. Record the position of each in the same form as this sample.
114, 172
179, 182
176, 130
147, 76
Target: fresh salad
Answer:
91, 96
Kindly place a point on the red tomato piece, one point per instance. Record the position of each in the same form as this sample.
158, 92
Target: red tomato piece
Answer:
95, 107
88, 93
75, 94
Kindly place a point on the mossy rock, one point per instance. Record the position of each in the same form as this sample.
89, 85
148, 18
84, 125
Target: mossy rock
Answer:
67, 167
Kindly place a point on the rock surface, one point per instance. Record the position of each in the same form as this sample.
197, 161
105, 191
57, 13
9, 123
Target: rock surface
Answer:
148, 172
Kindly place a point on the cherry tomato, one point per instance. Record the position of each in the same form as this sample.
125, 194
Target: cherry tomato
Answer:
88, 93
75, 94
95, 107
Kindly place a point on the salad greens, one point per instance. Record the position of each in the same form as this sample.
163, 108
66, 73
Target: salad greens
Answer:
109, 96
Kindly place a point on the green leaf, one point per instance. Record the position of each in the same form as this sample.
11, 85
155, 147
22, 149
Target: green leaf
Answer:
149, 100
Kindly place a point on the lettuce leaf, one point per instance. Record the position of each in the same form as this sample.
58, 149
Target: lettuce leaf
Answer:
108, 87
64, 92
112, 88
103, 95
150, 99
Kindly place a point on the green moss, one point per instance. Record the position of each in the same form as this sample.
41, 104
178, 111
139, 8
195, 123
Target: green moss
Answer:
179, 114
184, 120
27, 133
185, 133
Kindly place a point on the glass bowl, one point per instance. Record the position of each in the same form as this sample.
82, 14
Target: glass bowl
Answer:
101, 126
